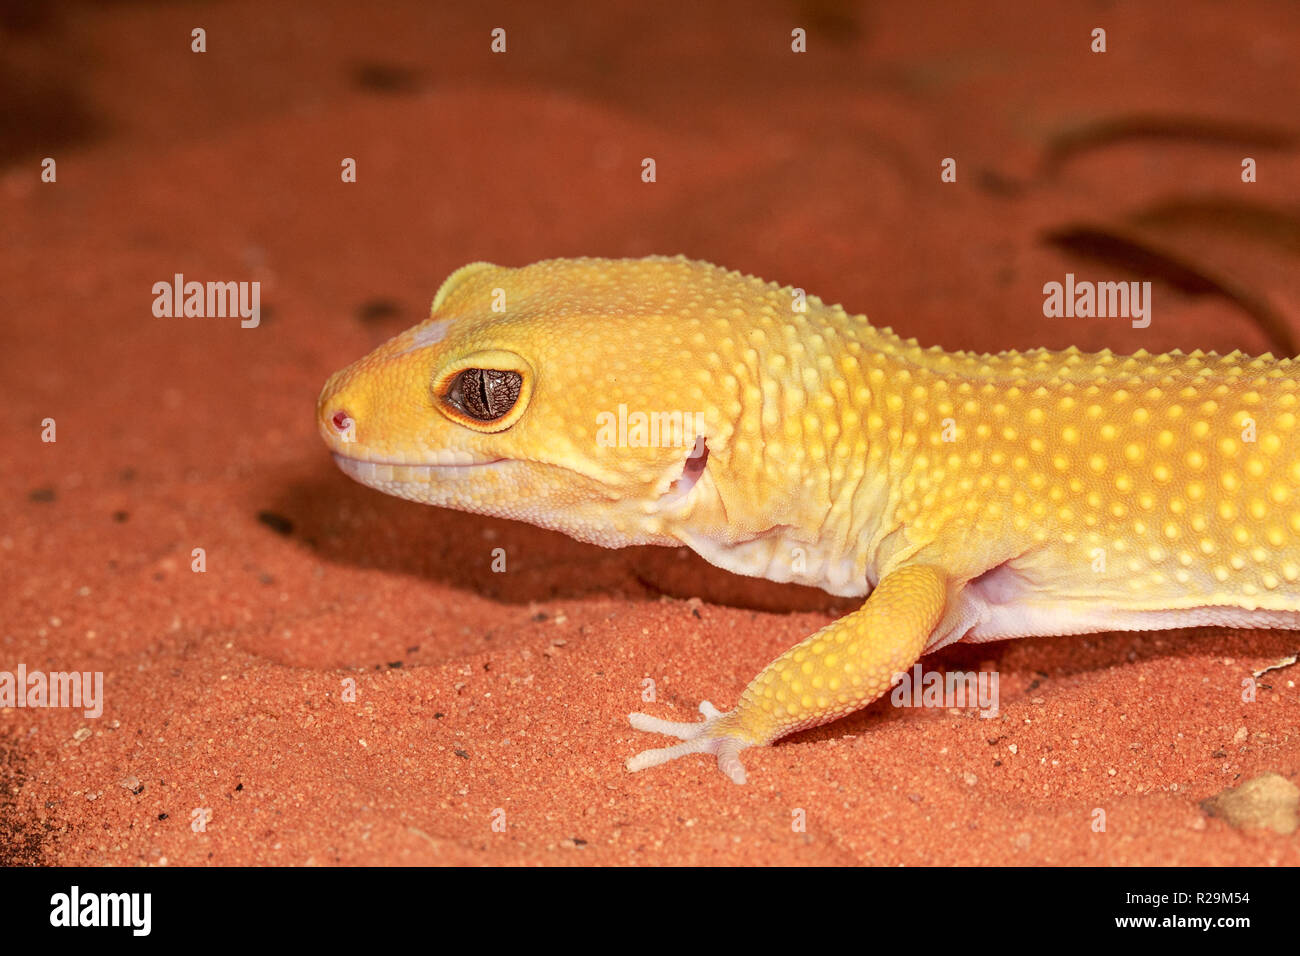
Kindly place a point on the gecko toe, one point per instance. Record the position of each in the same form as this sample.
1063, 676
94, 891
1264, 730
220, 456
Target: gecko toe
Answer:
710, 735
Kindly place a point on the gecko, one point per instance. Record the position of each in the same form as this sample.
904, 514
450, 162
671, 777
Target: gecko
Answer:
963, 496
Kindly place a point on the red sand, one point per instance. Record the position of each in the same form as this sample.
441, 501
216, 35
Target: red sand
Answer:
478, 691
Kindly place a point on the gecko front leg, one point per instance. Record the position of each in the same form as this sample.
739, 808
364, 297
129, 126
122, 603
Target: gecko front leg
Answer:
839, 669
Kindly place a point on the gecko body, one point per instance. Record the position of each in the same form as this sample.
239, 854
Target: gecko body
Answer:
965, 496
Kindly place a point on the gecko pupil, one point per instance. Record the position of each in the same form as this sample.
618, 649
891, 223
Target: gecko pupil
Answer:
486, 394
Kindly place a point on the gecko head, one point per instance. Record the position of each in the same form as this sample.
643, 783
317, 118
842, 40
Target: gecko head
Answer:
568, 394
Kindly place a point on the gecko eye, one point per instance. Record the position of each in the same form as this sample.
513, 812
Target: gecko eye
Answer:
486, 391
484, 394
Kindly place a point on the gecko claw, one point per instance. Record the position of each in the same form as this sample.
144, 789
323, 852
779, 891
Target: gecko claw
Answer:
707, 736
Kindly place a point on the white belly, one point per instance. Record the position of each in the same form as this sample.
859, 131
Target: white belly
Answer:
1003, 604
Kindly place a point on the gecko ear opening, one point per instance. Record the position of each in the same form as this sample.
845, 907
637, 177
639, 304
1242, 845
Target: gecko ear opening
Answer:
485, 391
691, 472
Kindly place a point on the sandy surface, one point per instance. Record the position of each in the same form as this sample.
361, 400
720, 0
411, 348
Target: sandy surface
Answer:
485, 697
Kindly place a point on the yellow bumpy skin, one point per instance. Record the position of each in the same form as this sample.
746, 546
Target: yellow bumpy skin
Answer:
969, 497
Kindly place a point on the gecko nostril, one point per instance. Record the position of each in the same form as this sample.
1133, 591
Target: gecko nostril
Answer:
341, 421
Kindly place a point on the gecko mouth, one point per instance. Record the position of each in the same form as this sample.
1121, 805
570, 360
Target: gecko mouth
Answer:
370, 472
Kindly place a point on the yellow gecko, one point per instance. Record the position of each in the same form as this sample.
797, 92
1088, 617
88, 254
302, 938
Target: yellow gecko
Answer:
969, 497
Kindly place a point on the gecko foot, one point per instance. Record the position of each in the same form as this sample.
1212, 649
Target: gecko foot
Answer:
712, 736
